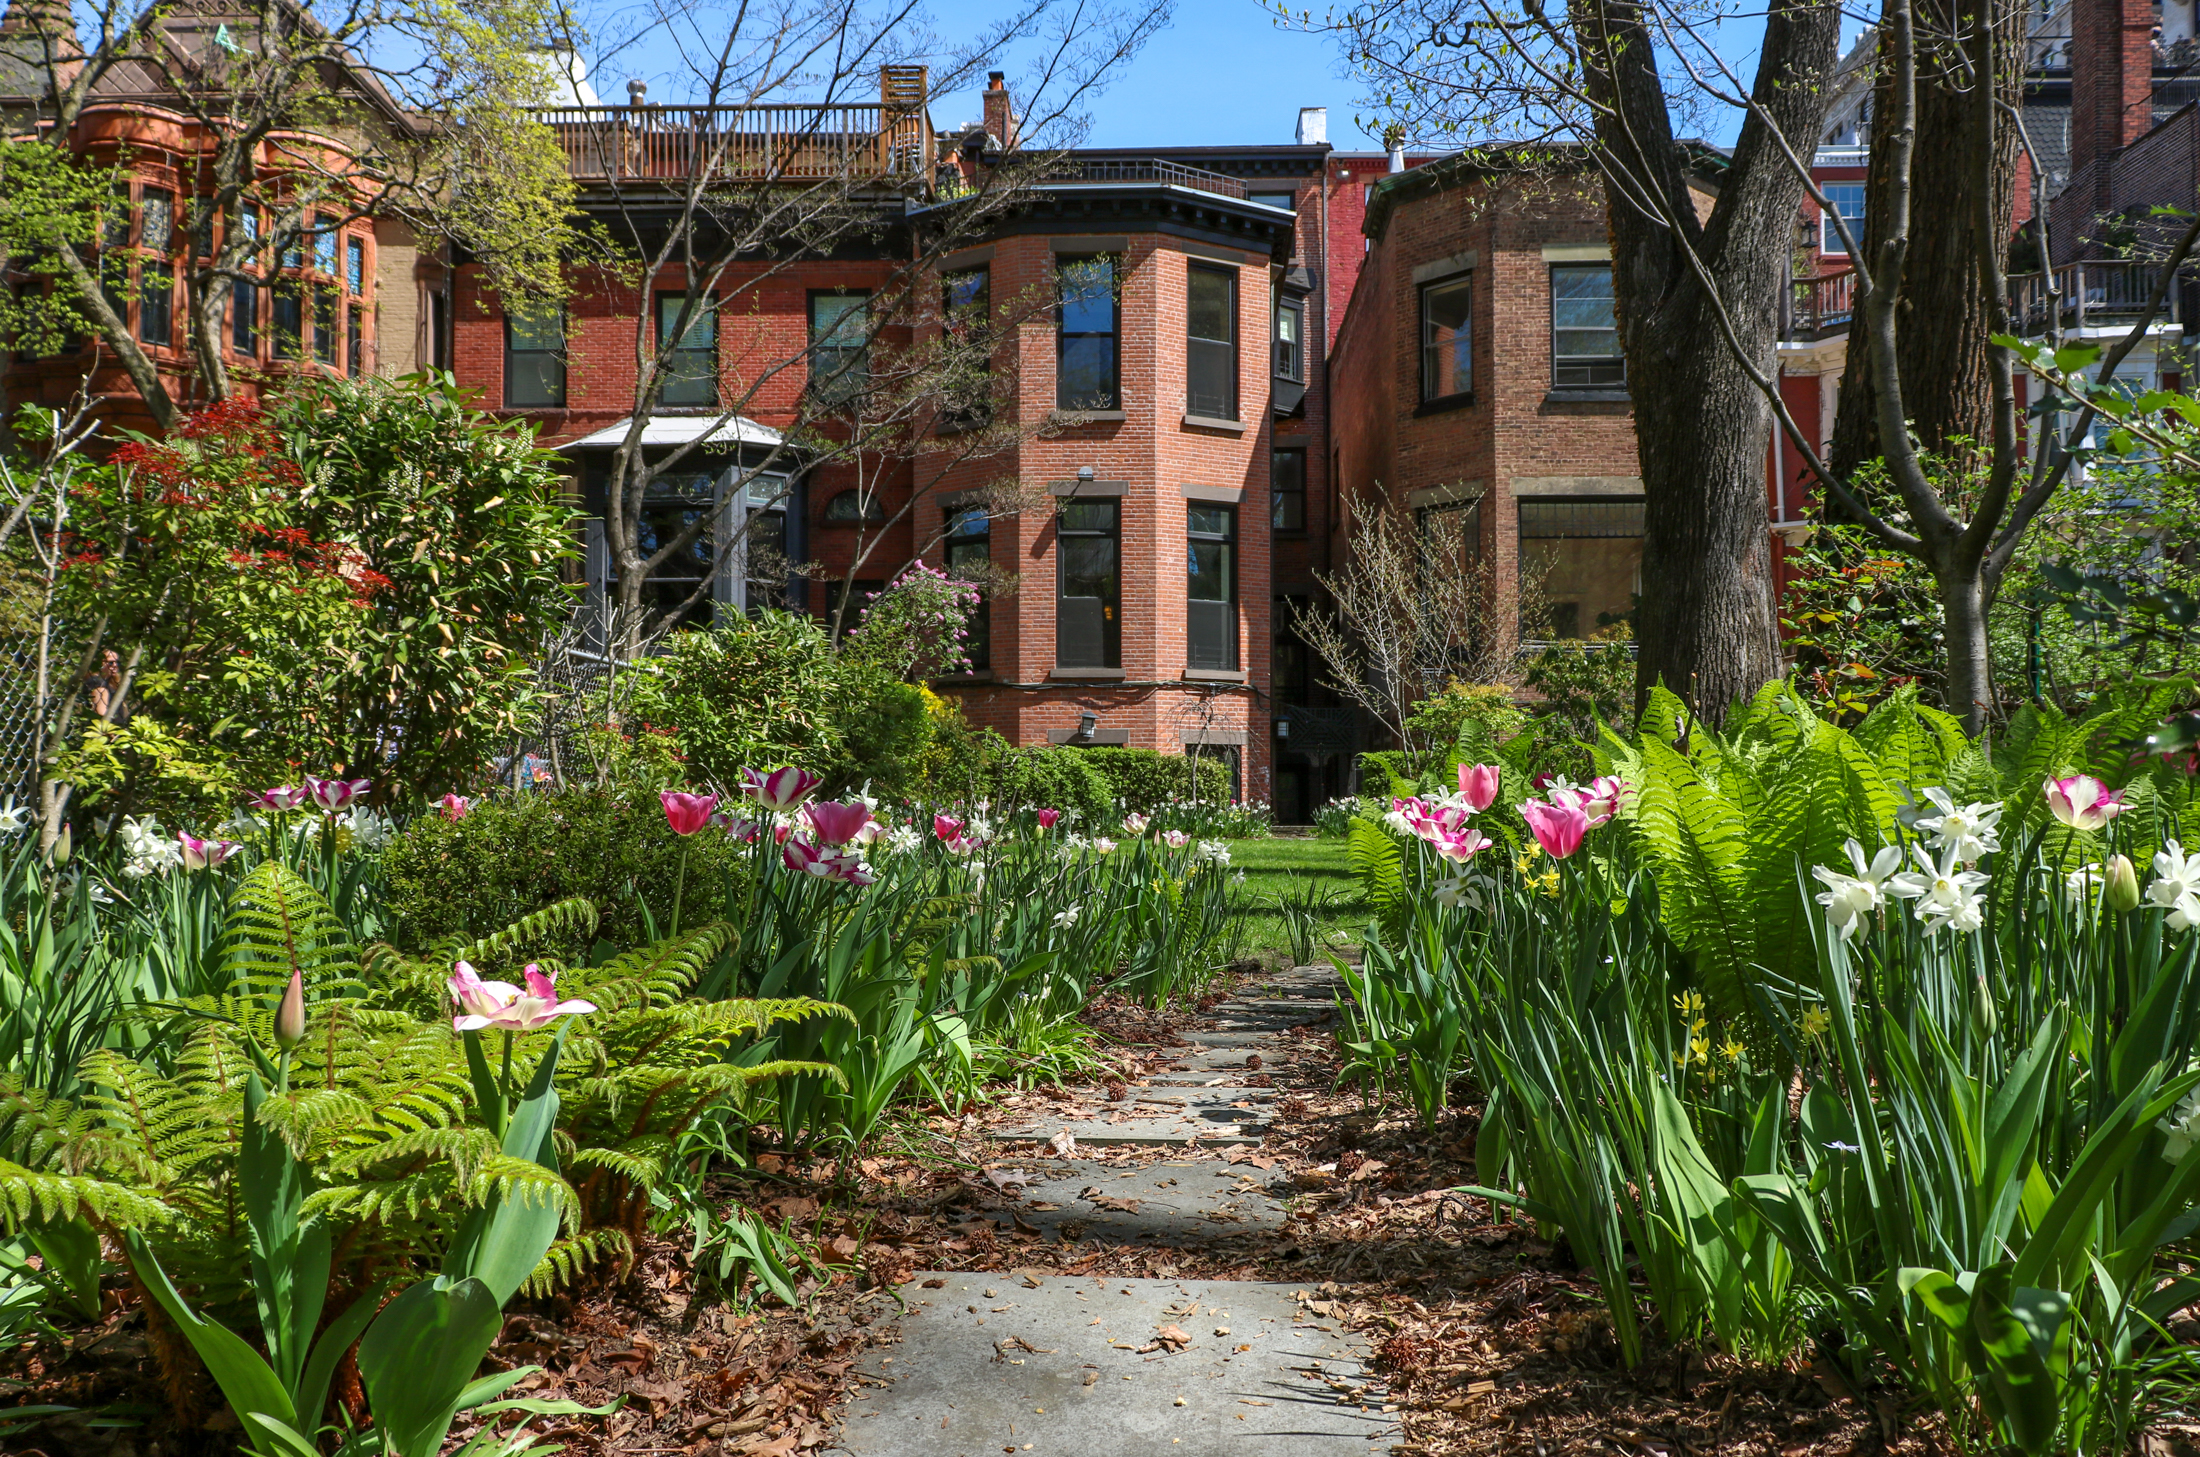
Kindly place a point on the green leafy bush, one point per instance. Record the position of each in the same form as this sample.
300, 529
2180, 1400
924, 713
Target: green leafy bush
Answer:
1144, 780
771, 690
514, 854
1057, 778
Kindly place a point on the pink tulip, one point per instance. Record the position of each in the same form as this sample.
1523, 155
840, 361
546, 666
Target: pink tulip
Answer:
1048, 817
507, 1008
1558, 828
286, 797
1175, 839
1478, 785
199, 854
687, 813
335, 795
837, 824
455, 806
947, 827
735, 827
783, 789
2082, 802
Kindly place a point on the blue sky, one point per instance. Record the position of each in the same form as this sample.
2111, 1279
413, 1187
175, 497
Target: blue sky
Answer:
1222, 74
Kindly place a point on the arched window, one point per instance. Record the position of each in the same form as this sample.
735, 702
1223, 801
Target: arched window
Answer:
849, 507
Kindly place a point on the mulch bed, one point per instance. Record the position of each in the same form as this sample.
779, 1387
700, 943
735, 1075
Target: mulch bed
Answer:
1486, 1339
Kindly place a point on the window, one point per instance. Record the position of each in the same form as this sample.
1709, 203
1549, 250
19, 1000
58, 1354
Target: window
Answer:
355, 267
244, 316
853, 506
534, 359
969, 550
967, 308
840, 363
1210, 352
324, 325
248, 221
156, 302
691, 368
156, 221
1447, 337
1287, 488
289, 321
1287, 201
1589, 552
1290, 334
1847, 199
1584, 332
1086, 375
1211, 586
356, 360
324, 244
1088, 631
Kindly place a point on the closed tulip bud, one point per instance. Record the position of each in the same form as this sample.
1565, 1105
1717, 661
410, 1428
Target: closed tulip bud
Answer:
2122, 888
290, 1013
63, 847
1982, 1008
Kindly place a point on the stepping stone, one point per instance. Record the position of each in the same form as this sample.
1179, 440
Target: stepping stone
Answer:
1058, 1368
1175, 1203
1208, 1119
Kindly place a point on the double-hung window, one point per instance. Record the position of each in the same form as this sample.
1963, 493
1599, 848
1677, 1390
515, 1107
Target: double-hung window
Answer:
1846, 199
969, 551
840, 346
244, 316
1447, 337
324, 325
289, 326
1291, 340
1211, 586
1087, 372
324, 244
1088, 627
1585, 352
156, 278
534, 359
691, 364
1210, 349
1287, 488
967, 310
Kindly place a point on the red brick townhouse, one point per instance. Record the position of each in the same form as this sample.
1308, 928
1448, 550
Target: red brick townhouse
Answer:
340, 295
1181, 322
1479, 385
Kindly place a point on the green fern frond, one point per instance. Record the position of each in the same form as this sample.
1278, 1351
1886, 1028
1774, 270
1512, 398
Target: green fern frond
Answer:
638, 1169
277, 924
29, 1198
506, 1178
1696, 845
575, 916
564, 1261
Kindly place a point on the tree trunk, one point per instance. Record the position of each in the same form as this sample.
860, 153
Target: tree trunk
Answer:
1702, 428
1969, 693
1941, 349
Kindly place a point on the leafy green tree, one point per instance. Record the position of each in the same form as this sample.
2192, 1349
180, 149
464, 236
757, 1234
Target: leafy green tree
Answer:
357, 576
303, 118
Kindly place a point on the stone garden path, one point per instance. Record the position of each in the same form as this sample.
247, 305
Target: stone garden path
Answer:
1027, 1361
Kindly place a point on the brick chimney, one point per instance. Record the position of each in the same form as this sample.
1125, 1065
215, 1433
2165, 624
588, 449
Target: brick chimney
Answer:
1000, 117
2111, 82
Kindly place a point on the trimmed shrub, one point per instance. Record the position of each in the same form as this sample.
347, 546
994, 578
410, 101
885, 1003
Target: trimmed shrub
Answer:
1144, 780
516, 853
1052, 778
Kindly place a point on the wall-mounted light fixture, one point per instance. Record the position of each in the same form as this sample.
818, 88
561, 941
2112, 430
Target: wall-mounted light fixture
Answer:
1086, 723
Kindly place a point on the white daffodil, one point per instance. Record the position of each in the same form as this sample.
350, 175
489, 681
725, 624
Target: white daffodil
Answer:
147, 849
2082, 887
1463, 890
1851, 900
1064, 919
2182, 1128
901, 839
14, 818
1211, 852
1968, 830
1946, 896
2176, 886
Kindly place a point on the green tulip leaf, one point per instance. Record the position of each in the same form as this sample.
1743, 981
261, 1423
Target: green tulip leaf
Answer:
419, 1358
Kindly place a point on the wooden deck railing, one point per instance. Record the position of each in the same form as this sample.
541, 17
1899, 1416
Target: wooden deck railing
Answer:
796, 142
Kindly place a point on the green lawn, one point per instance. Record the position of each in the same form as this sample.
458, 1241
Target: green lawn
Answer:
1277, 868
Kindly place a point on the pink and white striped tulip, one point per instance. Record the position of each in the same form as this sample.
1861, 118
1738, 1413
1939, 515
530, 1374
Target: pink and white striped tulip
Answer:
283, 797
825, 862
784, 789
947, 827
199, 854
1135, 825
2082, 802
335, 795
483, 1005
1175, 839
